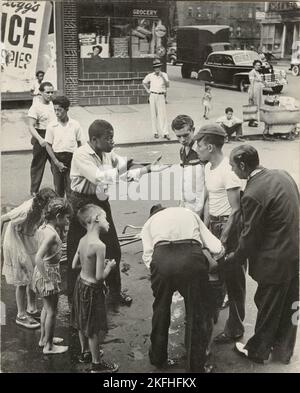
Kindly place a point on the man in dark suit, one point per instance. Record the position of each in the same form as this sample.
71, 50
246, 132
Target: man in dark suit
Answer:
270, 241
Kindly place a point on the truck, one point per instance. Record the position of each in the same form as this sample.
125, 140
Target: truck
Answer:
195, 43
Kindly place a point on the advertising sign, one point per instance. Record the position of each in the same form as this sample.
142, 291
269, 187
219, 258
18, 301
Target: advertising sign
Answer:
24, 35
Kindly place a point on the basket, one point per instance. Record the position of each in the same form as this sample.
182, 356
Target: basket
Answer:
276, 115
250, 112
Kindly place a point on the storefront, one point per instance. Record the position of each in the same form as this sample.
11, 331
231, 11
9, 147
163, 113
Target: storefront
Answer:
281, 28
29, 32
58, 38
126, 36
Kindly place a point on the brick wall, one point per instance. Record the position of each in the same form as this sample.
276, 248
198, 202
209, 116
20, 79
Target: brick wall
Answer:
113, 88
71, 50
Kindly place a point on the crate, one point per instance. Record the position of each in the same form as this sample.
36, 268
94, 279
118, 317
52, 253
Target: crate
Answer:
276, 115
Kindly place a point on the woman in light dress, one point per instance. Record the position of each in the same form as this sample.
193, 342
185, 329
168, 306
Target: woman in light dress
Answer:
255, 88
19, 250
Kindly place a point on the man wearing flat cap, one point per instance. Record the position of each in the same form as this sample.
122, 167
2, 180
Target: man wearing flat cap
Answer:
156, 84
222, 216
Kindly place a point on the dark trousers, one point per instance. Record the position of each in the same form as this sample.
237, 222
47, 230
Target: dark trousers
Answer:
62, 182
183, 268
39, 159
236, 128
235, 283
110, 239
276, 322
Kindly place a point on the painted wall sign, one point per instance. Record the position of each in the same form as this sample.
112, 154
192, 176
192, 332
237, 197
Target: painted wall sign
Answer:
24, 34
145, 13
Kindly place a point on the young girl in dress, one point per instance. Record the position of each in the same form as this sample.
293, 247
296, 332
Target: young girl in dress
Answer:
206, 101
46, 277
19, 249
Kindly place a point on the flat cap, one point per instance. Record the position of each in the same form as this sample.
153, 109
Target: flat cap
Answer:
210, 129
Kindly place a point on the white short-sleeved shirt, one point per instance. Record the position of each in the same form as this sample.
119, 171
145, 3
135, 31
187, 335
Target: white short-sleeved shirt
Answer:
157, 84
42, 113
64, 138
229, 122
218, 181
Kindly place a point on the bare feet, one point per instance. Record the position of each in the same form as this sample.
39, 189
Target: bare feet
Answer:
56, 340
55, 349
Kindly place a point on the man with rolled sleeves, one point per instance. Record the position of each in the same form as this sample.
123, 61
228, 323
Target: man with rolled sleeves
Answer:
94, 167
156, 84
222, 216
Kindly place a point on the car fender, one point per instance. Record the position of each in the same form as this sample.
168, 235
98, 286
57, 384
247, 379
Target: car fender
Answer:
240, 75
205, 75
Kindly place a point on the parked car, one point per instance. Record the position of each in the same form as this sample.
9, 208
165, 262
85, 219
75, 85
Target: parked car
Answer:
295, 60
172, 55
231, 68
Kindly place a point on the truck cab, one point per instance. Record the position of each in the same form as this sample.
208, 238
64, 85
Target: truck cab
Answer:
195, 43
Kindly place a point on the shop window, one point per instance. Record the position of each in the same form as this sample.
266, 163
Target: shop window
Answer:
119, 37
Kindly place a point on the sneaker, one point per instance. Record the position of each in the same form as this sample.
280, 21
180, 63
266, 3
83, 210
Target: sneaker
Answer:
55, 350
27, 322
86, 357
156, 136
35, 315
104, 367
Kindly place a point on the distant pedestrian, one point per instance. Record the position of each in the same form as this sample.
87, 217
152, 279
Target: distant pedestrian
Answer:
46, 280
192, 187
40, 114
88, 310
255, 89
231, 125
270, 241
63, 136
206, 101
35, 90
156, 84
19, 250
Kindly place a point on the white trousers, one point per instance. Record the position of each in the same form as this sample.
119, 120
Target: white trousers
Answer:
158, 114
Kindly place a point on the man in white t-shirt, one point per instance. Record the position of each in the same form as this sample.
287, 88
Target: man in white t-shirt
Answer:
156, 84
222, 214
63, 136
40, 114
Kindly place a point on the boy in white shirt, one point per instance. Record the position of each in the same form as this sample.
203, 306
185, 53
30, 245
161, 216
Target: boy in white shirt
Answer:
63, 136
222, 216
35, 90
231, 125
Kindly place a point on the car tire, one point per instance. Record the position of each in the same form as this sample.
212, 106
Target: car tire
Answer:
296, 70
277, 89
186, 71
243, 85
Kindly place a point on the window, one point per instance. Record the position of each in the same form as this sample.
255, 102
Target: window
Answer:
215, 59
227, 60
118, 37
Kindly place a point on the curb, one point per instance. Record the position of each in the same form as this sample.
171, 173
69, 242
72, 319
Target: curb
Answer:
125, 144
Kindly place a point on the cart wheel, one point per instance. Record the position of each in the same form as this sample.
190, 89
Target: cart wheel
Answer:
296, 70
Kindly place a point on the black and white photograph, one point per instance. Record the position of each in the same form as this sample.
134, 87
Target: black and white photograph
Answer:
150, 177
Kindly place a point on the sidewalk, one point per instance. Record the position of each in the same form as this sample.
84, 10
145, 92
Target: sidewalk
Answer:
132, 123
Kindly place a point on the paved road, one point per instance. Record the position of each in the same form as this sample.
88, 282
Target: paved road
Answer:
128, 338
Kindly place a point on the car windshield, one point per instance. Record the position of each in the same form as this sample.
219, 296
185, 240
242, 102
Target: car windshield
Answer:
246, 58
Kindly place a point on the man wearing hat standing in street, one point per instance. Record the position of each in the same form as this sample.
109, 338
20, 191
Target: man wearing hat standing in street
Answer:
156, 84
222, 215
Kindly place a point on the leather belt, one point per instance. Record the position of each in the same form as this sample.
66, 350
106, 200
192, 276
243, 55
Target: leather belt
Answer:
218, 218
175, 242
154, 92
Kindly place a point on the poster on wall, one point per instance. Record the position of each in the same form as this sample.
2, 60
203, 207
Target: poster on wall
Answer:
26, 44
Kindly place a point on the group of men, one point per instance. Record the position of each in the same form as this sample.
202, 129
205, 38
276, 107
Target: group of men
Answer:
261, 227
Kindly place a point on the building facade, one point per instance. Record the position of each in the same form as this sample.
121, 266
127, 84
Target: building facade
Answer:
129, 35
281, 27
243, 19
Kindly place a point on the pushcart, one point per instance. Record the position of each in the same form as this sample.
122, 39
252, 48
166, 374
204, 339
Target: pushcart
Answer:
280, 121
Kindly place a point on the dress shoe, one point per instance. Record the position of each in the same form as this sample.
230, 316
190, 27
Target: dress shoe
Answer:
222, 338
167, 137
239, 348
156, 136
